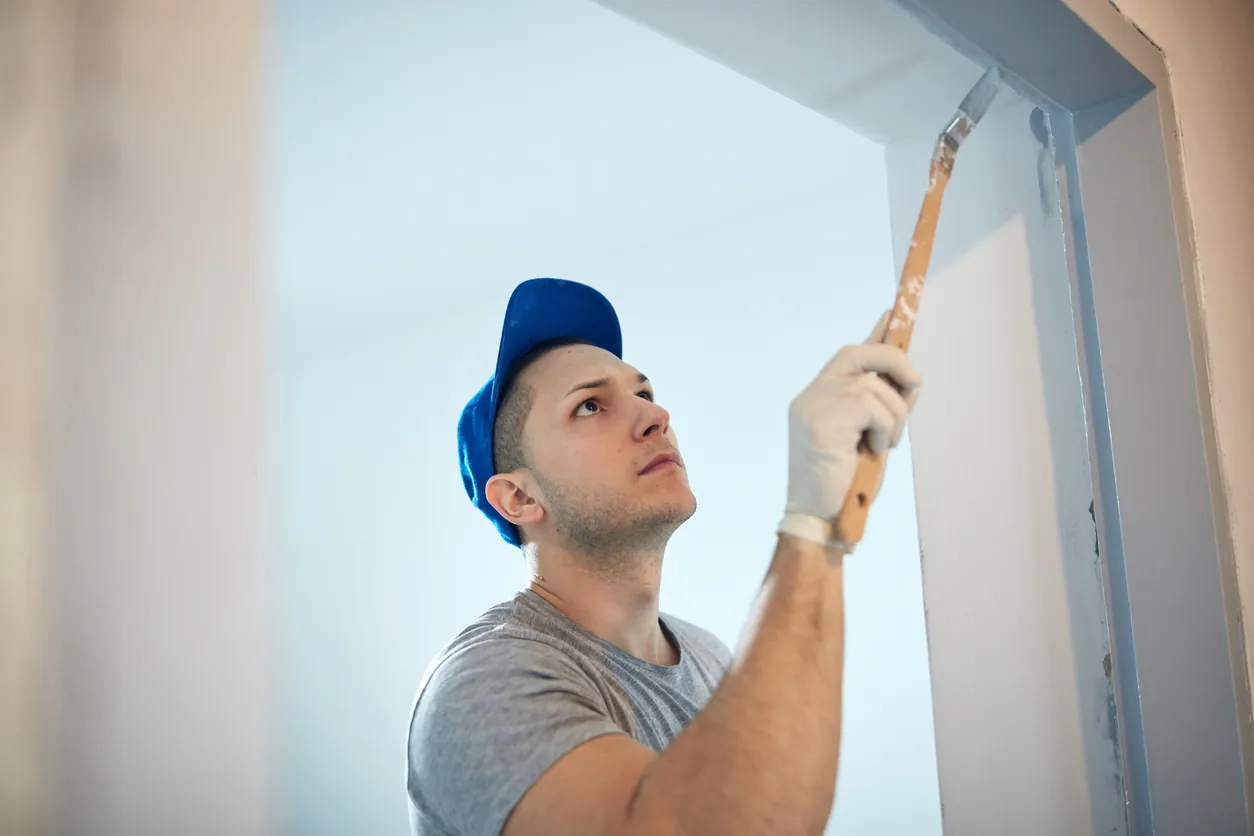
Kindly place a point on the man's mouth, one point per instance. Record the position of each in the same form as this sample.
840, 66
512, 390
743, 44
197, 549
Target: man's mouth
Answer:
662, 460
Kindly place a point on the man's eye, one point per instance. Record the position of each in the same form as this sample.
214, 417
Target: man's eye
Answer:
578, 409
646, 394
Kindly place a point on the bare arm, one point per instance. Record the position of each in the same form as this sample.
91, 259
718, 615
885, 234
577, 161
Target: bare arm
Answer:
760, 758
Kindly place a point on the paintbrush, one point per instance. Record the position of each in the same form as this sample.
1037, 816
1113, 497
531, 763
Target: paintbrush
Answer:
851, 521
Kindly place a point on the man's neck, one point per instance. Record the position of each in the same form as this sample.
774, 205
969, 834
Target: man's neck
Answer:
622, 609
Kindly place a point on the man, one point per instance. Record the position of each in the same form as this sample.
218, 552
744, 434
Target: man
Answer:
577, 708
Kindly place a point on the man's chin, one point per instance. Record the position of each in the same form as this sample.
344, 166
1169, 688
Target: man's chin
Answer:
666, 515
682, 511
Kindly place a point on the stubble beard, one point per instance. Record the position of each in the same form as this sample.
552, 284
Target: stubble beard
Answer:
612, 530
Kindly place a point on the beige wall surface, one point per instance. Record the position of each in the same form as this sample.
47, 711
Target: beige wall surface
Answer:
33, 79
155, 642
1209, 49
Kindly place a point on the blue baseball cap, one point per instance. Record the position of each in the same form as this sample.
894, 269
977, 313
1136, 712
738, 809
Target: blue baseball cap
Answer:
539, 311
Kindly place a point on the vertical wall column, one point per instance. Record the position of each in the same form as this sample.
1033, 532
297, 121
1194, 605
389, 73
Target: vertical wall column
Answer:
1174, 589
162, 699
34, 50
1026, 736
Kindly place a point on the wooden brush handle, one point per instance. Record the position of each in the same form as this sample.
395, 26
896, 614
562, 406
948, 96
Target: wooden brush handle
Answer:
851, 522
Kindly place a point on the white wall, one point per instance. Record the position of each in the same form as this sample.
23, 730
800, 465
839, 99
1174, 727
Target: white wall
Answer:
748, 242
420, 144
1016, 615
1207, 48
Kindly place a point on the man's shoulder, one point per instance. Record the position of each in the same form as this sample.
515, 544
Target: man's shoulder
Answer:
496, 708
496, 657
485, 647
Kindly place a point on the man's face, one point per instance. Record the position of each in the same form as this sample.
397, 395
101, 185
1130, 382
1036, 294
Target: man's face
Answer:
592, 440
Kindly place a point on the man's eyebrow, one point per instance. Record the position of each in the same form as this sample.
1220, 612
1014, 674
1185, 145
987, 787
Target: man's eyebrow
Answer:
597, 384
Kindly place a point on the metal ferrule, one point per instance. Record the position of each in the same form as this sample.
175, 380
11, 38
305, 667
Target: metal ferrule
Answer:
950, 139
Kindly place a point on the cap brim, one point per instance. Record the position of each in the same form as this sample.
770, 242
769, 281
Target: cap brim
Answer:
541, 310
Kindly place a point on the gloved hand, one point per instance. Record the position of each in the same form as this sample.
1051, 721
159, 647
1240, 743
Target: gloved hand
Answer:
830, 417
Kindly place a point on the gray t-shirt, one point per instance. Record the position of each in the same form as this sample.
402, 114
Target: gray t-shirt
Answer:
522, 686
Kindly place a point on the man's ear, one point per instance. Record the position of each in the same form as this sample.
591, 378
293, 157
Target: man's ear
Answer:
511, 496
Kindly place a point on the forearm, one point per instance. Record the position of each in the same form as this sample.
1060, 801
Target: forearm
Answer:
761, 757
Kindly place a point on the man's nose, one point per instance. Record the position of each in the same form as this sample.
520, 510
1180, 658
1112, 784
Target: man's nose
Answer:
652, 421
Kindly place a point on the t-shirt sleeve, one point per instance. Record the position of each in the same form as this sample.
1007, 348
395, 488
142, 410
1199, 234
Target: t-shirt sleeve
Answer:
492, 718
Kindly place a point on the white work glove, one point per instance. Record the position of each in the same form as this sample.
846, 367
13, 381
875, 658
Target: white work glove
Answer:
845, 403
